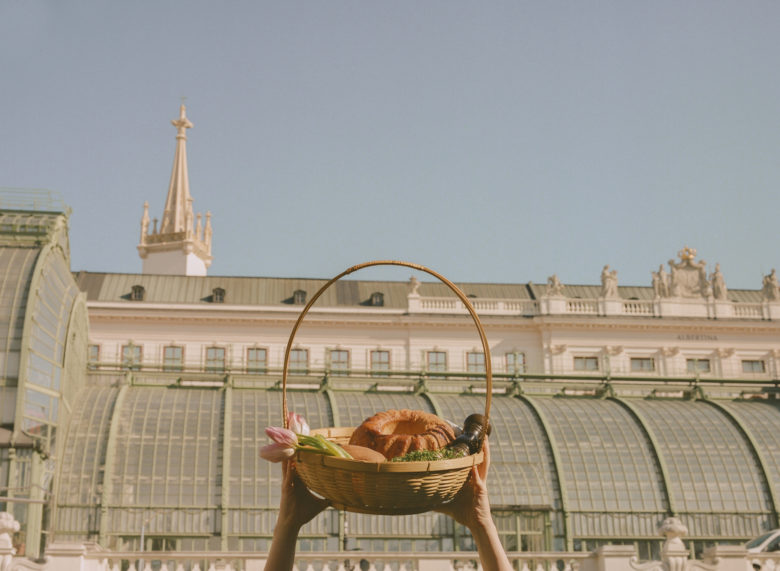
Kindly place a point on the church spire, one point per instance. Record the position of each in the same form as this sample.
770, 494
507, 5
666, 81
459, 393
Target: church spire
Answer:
178, 205
178, 247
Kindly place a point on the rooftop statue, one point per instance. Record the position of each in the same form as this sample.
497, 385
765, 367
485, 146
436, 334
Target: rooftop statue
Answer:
554, 286
661, 282
770, 289
719, 290
609, 283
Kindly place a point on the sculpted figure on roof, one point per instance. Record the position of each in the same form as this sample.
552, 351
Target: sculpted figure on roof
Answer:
609, 282
554, 286
770, 289
661, 282
719, 290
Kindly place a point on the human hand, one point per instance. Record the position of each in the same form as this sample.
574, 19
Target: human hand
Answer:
298, 505
471, 506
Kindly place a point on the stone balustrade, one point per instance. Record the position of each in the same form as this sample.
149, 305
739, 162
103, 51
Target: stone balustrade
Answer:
707, 308
89, 557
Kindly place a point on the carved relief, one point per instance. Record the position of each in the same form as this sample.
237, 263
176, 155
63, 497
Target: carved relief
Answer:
670, 351
689, 278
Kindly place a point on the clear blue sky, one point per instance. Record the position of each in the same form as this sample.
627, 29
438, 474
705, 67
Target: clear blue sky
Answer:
491, 141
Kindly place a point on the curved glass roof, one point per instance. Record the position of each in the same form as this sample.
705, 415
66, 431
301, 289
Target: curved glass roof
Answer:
710, 467
185, 461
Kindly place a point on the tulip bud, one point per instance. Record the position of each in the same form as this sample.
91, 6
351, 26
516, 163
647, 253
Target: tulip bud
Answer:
283, 436
276, 452
297, 423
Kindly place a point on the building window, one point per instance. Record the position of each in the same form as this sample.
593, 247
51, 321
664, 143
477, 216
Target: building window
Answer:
218, 295
93, 356
299, 297
137, 293
754, 366
380, 363
173, 358
697, 365
131, 356
215, 359
475, 362
515, 363
642, 364
586, 363
377, 299
339, 361
256, 360
436, 361
299, 361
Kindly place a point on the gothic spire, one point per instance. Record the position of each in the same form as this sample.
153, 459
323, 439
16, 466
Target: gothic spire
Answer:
177, 216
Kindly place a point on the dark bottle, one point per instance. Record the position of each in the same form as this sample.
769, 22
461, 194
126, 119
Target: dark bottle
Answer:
475, 428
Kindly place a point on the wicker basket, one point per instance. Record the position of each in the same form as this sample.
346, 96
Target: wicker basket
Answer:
386, 488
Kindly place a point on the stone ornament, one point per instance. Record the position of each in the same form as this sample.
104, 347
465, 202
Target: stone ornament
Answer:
554, 286
689, 278
661, 282
718, 284
770, 289
609, 283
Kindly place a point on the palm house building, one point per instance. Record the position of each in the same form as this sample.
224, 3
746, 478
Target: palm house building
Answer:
132, 406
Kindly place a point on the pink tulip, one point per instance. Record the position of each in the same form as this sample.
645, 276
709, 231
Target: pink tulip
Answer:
276, 452
297, 423
282, 436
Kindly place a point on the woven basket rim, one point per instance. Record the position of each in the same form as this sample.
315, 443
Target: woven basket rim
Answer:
351, 465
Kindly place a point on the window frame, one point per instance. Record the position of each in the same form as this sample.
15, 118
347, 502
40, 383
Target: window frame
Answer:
642, 359
584, 359
341, 371
294, 361
210, 368
436, 367
379, 367
173, 366
250, 369
134, 363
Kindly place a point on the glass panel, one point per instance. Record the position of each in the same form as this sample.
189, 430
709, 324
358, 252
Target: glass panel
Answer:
642, 364
173, 358
697, 365
586, 363
299, 361
215, 359
437, 361
753, 366
339, 362
515, 362
131, 356
256, 360
475, 362
380, 361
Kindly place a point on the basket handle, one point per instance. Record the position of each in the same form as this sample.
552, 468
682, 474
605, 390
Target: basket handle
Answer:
452, 286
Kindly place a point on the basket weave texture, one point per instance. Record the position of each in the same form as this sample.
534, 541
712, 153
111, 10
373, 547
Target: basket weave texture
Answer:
386, 488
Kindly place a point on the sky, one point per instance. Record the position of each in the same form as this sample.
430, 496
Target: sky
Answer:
490, 141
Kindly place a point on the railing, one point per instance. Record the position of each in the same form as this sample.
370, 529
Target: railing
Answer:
339, 561
606, 558
485, 306
586, 306
665, 307
749, 310
637, 307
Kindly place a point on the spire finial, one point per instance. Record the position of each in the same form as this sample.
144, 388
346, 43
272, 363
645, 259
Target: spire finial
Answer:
182, 122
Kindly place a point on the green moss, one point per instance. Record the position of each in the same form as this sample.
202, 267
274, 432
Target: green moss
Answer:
428, 455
